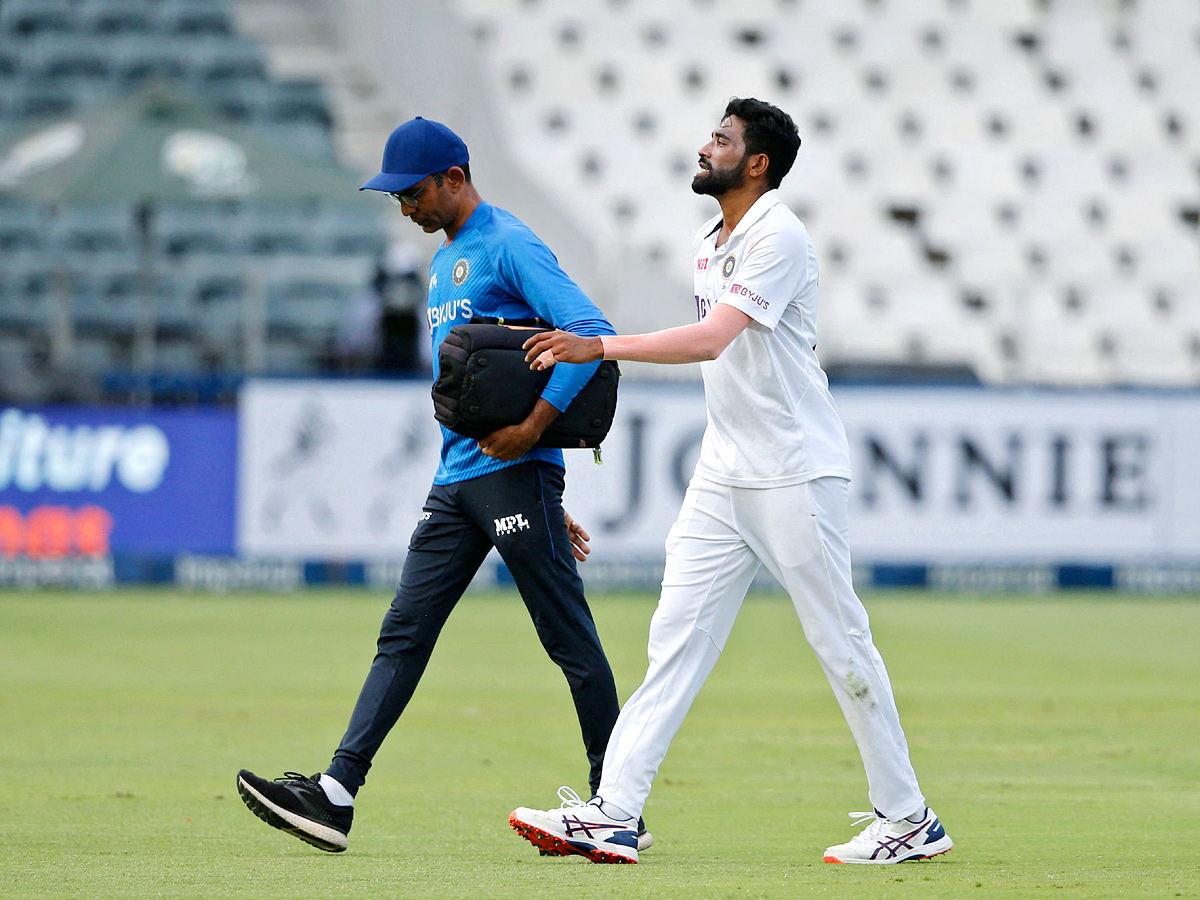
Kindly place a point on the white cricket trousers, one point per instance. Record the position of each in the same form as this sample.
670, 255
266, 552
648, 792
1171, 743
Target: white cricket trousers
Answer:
722, 536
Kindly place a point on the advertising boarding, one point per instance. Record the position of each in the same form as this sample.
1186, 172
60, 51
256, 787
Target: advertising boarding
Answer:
90, 483
340, 470
333, 470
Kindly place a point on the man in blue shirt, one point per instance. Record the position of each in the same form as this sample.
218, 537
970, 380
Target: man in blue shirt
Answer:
501, 491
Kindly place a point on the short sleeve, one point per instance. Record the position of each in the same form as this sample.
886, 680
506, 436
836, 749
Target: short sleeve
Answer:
770, 276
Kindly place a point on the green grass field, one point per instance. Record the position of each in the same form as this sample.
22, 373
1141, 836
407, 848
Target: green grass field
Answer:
1058, 739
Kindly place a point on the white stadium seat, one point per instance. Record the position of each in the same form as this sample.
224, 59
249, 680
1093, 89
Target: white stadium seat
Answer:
1035, 148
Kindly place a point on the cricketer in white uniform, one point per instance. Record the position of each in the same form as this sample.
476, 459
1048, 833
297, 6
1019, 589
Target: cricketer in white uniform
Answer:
770, 488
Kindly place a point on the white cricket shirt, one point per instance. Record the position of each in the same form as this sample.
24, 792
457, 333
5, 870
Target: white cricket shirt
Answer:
771, 419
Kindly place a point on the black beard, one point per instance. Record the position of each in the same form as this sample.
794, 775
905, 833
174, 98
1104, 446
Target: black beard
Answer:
715, 182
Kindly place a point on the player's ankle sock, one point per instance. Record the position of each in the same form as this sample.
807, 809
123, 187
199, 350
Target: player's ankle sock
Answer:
333, 789
613, 811
918, 817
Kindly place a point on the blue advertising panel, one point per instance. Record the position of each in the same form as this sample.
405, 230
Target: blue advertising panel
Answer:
89, 482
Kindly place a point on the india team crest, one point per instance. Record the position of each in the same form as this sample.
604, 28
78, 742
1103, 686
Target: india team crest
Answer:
727, 266
461, 270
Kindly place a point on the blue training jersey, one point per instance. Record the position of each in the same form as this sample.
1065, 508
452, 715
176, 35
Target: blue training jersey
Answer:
496, 266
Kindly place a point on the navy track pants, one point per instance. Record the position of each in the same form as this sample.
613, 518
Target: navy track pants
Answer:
519, 511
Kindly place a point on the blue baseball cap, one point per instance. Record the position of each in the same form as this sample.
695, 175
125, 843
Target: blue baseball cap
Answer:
415, 150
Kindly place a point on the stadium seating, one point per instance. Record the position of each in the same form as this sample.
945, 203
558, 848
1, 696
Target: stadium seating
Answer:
1010, 184
204, 260
1019, 176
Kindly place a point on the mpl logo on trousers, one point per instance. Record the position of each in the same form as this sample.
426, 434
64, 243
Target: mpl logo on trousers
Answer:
510, 524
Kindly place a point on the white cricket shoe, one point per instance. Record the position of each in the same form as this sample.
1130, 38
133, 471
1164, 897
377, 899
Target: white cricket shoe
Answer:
884, 841
569, 799
583, 829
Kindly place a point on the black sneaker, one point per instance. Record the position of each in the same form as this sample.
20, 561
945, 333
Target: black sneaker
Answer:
297, 805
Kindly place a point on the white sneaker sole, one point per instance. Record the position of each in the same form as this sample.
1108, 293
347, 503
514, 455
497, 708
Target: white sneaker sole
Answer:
927, 851
273, 814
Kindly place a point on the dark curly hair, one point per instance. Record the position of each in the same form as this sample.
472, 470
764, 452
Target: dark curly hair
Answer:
768, 130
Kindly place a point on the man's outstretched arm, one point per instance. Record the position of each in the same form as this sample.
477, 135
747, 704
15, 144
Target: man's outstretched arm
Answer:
704, 340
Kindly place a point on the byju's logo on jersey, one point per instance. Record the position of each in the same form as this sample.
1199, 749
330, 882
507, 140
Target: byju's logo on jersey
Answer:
740, 290
449, 311
461, 270
727, 266
510, 524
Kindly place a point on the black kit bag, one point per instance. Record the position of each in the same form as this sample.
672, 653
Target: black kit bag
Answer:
484, 383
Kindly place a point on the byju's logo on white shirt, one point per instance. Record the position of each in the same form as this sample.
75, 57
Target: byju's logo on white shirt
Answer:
510, 524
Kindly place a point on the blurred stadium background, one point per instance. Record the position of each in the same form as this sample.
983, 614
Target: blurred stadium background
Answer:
211, 346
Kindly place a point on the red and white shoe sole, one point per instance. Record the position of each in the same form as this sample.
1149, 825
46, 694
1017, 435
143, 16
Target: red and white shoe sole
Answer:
557, 846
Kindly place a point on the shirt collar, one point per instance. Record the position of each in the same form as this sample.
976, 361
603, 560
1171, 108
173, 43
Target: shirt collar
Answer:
756, 211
